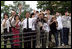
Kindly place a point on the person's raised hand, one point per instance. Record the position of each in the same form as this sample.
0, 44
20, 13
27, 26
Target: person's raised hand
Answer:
34, 11
20, 6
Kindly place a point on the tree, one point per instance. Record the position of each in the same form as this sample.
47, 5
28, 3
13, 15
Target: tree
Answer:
7, 9
2, 3
54, 6
4, 8
24, 7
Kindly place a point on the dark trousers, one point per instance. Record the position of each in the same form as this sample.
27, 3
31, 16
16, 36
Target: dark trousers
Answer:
20, 40
55, 33
34, 43
6, 37
61, 35
27, 40
34, 38
5, 42
16, 47
65, 35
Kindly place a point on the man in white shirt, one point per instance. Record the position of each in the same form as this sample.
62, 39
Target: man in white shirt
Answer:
60, 27
65, 22
34, 29
27, 21
27, 27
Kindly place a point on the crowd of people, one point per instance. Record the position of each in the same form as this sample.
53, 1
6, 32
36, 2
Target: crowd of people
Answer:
42, 22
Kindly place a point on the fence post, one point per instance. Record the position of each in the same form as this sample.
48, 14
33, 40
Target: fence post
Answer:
38, 36
47, 37
31, 42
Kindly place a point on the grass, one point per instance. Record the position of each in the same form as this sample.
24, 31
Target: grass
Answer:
9, 46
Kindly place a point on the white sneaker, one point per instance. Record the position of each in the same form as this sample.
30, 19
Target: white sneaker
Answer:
62, 44
46, 46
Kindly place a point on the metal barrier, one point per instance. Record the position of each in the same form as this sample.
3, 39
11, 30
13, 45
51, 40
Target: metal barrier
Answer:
22, 38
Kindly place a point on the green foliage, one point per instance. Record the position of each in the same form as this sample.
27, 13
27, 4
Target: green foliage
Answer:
2, 3
7, 9
54, 6
23, 14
